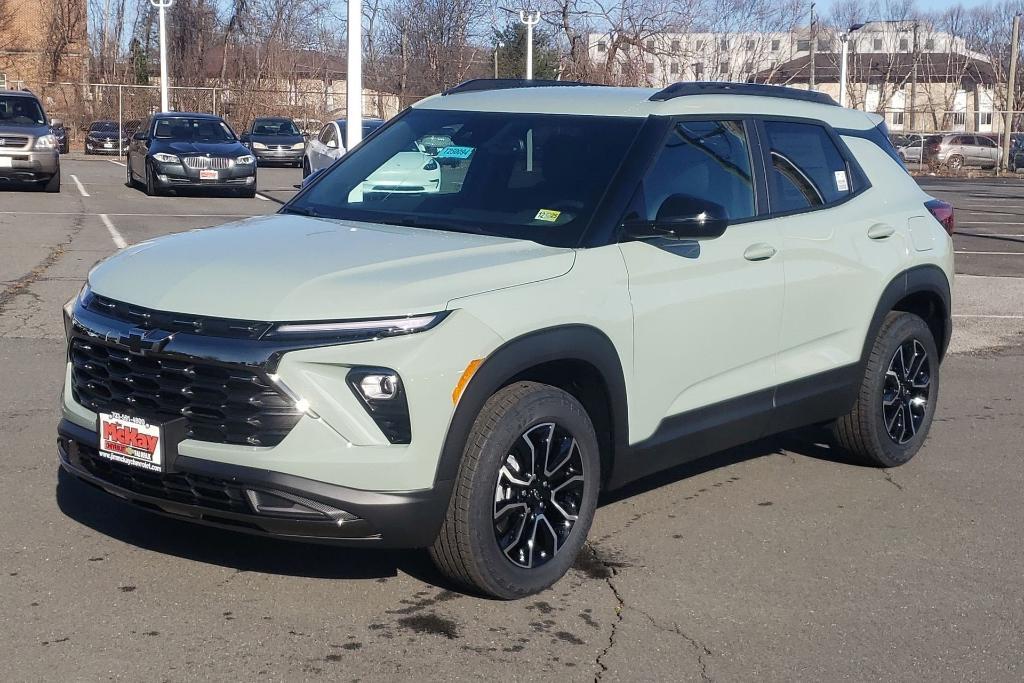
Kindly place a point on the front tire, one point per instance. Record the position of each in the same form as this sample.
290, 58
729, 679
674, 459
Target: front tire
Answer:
524, 496
305, 169
899, 390
53, 184
152, 189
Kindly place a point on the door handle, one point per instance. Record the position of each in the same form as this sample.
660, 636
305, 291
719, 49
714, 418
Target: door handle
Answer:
759, 252
881, 231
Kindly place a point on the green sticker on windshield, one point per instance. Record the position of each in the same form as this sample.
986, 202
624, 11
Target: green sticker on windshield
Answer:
547, 215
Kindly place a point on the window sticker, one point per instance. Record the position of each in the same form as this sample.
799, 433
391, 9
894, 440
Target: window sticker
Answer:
547, 215
841, 183
455, 152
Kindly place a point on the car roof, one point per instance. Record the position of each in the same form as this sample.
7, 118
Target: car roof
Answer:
365, 121
189, 114
272, 118
19, 93
594, 100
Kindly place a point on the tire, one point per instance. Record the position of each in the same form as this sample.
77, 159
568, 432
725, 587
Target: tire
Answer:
53, 184
955, 162
151, 188
129, 179
877, 430
518, 420
305, 168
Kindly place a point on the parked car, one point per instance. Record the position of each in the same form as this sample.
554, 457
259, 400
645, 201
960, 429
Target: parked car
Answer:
106, 137
466, 370
60, 132
957, 150
910, 148
179, 150
29, 153
275, 140
329, 144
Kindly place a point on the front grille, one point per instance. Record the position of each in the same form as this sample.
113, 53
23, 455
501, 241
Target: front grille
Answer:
15, 141
190, 489
151, 319
220, 403
201, 163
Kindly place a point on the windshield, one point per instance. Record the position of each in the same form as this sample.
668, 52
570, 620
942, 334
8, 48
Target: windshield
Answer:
274, 127
104, 127
185, 128
527, 176
20, 111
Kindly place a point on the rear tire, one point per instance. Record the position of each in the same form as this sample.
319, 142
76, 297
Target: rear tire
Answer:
955, 162
507, 490
896, 404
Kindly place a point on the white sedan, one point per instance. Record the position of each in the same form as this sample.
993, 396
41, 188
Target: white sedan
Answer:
329, 144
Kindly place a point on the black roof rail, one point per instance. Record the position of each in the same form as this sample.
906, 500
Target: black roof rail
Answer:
723, 88
482, 84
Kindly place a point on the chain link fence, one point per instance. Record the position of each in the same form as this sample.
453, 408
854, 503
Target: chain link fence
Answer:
310, 104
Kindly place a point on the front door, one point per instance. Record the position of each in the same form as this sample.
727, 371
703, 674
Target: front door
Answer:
706, 312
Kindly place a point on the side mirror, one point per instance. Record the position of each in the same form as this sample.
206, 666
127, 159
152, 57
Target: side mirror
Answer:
244, 137
682, 216
140, 136
56, 123
332, 144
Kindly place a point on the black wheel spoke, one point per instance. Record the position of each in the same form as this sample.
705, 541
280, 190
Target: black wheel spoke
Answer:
538, 494
906, 390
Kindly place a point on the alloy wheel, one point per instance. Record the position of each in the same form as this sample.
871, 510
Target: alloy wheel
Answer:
538, 494
906, 391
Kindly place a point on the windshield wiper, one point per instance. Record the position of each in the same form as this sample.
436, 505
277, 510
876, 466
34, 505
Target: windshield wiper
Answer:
414, 222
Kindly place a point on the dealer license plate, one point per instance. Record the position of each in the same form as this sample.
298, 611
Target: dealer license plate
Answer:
5, 162
108, 145
208, 175
131, 441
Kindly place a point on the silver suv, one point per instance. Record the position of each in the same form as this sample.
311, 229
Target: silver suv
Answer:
956, 150
28, 148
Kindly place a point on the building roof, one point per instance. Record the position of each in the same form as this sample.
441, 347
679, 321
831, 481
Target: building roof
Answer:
932, 67
636, 102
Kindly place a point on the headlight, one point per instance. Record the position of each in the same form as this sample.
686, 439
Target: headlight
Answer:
69, 308
357, 330
165, 158
299, 145
46, 142
245, 159
258, 145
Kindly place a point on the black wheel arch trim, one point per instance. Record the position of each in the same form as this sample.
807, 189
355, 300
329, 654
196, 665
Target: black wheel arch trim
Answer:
582, 343
928, 279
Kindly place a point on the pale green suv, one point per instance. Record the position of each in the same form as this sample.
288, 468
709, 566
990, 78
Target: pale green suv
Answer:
606, 282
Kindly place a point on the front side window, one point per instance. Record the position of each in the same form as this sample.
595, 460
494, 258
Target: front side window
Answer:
702, 162
188, 128
325, 133
806, 169
16, 110
526, 176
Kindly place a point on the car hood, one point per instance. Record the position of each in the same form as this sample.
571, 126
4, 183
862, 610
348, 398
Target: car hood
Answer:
32, 129
216, 149
287, 268
277, 139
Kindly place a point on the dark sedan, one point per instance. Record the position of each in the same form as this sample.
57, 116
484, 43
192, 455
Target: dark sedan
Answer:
105, 137
175, 150
275, 141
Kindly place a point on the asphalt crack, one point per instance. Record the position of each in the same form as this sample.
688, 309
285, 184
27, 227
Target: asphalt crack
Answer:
611, 571
703, 651
21, 285
889, 478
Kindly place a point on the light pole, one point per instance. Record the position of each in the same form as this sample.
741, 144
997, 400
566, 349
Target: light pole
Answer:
354, 88
531, 18
845, 38
163, 6
496, 48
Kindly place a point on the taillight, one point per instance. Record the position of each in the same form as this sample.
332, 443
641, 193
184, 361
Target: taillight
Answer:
935, 147
943, 212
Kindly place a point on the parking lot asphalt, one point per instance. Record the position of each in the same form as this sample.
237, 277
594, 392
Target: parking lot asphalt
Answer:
775, 561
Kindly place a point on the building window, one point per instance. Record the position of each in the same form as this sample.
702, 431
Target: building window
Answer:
700, 45
3, 81
724, 44
602, 46
723, 67
775, 45
750, 44
803, 46
929, 44
698, 70
650, 67
897, 118
904, 44
674, 68
985, 118
748, 66
959, 118
876, 44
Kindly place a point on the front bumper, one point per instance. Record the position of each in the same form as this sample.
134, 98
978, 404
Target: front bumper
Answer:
273, 156
180, 175
29, 165
215, 494
101, 147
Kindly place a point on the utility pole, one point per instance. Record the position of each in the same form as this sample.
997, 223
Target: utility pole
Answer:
1011, 86
354, 87
814, 50
496, 48
163, 6
845, 38
531, 18
913, 80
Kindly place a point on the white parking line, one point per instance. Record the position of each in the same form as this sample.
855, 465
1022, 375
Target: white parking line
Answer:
119, 163
993, 253
119, 241
990, 223
997, 317
260, 196
81, 188
145, 215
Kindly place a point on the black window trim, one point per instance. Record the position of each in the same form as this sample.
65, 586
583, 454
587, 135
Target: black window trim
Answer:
855, 175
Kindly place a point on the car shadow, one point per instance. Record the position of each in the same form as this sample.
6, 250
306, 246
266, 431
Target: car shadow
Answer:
135, 526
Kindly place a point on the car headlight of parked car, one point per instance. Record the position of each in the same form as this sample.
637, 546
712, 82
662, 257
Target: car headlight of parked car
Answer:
299, 145
165, 158
258, 145
245, 160
47, 141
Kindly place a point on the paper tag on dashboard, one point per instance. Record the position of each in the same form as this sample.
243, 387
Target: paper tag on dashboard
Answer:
841, 183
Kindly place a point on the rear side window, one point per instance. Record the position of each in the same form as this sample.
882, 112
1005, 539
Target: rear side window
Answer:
806, 169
